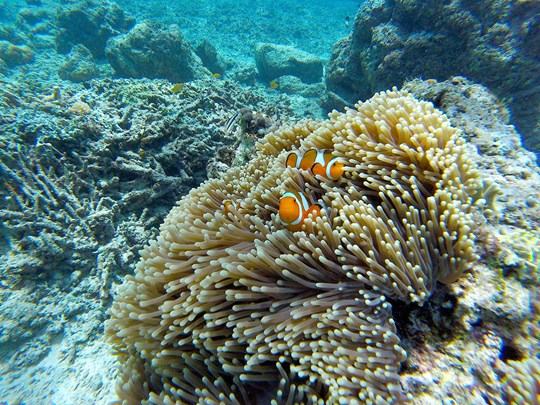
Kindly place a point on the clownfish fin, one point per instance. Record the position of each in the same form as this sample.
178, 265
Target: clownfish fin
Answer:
317, 168
314, 210
326, 156
292, 159
308, 159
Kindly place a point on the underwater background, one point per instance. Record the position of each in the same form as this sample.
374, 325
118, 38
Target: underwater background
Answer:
112, 112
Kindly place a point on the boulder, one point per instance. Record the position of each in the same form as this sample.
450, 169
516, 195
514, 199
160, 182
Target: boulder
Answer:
14, 55
90, 23
210, 57
274, 61
80, 65
293, 85
494, 42
152, 50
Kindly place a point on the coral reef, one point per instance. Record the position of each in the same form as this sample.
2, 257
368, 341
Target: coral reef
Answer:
493, 42
279, 60
493, 312
89, 169
91, 23
154, 51
149, 157
87, 173
224, 299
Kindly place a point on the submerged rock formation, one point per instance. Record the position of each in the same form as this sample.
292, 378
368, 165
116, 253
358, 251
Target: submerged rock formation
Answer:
274, 61
495, 43
91, 23
154, 51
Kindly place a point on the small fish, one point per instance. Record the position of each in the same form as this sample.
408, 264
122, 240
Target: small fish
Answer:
228, 205
347, 21
176, 87
318, 161
273, 84
216, 75
294, 208
231, 122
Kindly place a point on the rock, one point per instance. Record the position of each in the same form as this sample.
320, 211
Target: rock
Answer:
495, 43
32, 15
280, 60
293, 85
245, 75
14, 55
80, 65
210, 57
11, 34
34, 21
330, 101
90, 23
155, 51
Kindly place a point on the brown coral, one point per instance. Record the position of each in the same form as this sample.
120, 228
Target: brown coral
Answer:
230, 306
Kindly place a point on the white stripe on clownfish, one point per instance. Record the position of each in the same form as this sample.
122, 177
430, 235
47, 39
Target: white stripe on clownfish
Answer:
294, 208
318, 161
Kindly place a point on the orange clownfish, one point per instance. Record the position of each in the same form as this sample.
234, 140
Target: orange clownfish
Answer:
227, 205
294, 208
318, 161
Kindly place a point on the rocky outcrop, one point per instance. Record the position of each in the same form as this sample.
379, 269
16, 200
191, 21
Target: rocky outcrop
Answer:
274, 61
80, 65
13, 55
494, 42
153, 51
90, 23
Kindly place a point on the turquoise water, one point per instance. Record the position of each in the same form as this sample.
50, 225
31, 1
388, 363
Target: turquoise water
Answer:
112, 113
236, 26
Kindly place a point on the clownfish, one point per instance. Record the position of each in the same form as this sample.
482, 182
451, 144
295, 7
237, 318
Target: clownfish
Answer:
318, 161
227, 205
294, 208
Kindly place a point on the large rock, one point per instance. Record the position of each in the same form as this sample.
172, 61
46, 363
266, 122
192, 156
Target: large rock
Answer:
154, 51
495, 42
80, 65
13, 55
90, 23
274, 61
210, 57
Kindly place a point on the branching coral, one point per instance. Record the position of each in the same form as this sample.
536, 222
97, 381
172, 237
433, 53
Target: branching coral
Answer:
41, 211
227, 302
